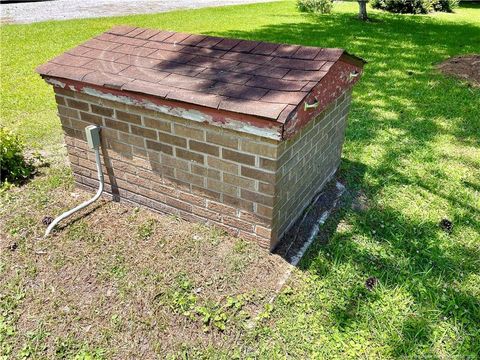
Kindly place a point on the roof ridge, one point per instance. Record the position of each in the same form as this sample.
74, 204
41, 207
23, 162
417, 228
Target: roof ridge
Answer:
252, 77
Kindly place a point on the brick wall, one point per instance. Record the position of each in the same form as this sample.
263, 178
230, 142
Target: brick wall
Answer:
307, 162
252, 187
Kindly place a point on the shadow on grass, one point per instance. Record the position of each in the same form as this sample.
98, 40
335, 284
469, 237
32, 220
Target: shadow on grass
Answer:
403, 108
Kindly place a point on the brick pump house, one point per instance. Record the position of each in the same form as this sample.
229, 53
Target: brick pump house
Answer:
233, 133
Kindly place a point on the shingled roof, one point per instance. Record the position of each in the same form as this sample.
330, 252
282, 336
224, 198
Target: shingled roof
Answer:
248, 77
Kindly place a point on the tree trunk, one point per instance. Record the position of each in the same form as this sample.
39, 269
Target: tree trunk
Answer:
362, 10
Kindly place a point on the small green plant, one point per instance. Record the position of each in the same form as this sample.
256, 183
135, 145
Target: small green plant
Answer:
14, 167
146, 230
315, 6
212, 316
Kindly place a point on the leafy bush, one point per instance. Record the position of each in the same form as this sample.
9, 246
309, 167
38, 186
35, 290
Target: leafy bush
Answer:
445, 5
315, 6
403, 6
14, 167
414, 6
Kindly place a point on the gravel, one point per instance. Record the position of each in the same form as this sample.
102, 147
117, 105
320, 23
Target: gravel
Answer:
30, 12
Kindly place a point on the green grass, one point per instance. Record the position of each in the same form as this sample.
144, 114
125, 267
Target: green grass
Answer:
412, 147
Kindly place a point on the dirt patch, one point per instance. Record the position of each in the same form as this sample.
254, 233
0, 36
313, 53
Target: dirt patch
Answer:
123, 281
466, 67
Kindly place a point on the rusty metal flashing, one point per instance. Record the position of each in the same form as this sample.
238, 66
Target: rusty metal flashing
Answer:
228, 120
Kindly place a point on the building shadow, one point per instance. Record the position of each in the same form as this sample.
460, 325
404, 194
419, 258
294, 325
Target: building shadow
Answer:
395, 114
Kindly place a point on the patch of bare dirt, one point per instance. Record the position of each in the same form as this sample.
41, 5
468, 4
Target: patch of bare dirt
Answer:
466, 67
137, 284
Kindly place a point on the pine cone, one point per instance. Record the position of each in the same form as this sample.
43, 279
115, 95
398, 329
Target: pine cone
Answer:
47, 220
371, 283
446, 225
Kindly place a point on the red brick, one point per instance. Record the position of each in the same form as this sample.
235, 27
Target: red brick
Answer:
193, 199
171, 139
143, 132
207, 214
80, 105
157, 124
60, 100
91, 118
238, 157
256, 197
204, 148
209, 194
129, 117
100, 110
263, 231
167, 149
254, 218
178, 204
237, 223
221, 208
188, 155
237, 202
258, 174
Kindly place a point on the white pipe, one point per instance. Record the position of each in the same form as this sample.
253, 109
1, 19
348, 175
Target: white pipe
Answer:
86, 203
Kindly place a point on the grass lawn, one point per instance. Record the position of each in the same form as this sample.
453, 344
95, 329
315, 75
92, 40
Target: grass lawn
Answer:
411, 158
